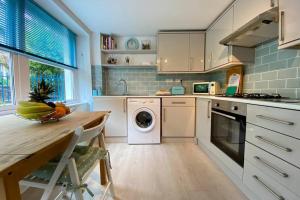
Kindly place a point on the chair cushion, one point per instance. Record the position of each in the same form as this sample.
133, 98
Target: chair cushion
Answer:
84, 156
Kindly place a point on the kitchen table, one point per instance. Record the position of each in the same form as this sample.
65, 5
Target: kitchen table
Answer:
27, 145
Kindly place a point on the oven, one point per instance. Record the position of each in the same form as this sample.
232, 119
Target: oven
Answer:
228, 128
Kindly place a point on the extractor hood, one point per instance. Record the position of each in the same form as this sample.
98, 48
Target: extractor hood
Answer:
262, 28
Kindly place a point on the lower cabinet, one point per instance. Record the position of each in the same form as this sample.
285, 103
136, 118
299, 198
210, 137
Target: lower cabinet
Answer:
116, 125
178, 117
271, 169
263, 186
203, 120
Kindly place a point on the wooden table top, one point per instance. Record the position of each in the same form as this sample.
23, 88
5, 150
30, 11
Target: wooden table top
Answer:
20, 138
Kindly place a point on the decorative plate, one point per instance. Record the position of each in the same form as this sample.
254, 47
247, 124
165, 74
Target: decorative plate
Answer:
132, 44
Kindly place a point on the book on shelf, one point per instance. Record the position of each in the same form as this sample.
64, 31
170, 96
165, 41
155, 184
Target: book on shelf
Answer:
107, 42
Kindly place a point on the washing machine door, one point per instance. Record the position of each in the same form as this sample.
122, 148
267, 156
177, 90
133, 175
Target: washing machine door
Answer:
143, 120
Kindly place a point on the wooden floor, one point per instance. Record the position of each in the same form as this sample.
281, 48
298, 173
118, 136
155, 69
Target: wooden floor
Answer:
170, 171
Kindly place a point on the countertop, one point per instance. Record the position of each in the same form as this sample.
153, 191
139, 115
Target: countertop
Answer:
292, 106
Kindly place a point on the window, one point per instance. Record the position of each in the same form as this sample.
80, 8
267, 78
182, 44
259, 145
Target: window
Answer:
5, 79
60, 79
27, 28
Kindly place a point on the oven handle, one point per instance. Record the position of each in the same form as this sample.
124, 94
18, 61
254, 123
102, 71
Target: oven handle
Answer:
224, 115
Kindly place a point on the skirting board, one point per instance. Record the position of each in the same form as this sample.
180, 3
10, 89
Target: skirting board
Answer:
116, 139
164, 140
228, 172
177, 140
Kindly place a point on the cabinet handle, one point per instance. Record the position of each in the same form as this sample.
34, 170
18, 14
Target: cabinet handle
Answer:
274, 169
224, 115
164, 114
208, 109
275, 120
160, 64
178, 102
282, 26
124, 105
279, 197
273, 144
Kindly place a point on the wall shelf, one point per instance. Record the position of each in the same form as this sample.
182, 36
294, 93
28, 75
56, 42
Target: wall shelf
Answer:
126, 51
128, 66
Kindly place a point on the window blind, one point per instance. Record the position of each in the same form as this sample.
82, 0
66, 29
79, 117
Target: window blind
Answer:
29, 29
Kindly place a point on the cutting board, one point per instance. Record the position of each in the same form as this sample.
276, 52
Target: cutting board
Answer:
235, 70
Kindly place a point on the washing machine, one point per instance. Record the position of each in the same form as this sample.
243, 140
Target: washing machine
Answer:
143, 120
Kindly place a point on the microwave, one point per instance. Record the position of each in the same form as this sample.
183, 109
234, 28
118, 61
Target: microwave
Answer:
206, 88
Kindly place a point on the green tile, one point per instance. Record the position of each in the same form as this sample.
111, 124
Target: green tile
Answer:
287, 73
261, 85
293, 83
261, 68
286, 54
262, 52
278, 65
269, 75
277, 84
269, 58
294, 62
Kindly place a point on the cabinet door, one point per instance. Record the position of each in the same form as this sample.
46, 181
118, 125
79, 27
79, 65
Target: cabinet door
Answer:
289, 29
209, 43
203, 120
222, 28
173, 52
245, 10
197, 41
178, 122
116, 124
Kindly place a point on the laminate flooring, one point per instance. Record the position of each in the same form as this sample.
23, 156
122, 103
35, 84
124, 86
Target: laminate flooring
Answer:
169, 171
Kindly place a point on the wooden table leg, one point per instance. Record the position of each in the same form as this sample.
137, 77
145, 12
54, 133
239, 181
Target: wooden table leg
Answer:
103, 174
11, 188
2, 189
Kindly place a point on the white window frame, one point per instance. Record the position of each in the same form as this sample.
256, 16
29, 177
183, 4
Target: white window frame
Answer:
70, 78
20, 72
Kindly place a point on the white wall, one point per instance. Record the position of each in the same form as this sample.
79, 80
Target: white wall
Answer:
83, 78
95, 48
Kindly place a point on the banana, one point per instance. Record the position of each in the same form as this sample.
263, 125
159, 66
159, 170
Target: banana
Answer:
30, 104
35, 115
33, 109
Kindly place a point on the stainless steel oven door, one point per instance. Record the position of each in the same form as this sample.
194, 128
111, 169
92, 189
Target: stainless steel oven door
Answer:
228, 132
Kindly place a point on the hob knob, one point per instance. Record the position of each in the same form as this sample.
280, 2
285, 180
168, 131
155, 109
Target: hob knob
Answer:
234, 108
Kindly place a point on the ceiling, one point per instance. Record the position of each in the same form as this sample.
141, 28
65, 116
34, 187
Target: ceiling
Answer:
146, 17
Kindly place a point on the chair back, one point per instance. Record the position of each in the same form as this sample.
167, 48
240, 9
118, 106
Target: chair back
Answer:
89, 134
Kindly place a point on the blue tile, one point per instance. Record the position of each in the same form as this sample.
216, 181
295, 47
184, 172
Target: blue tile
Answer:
286, 53
269, 58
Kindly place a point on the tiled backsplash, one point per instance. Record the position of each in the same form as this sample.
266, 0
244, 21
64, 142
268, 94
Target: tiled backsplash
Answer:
274, 71
144, 81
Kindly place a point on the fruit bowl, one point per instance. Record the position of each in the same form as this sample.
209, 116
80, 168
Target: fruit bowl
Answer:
43, 112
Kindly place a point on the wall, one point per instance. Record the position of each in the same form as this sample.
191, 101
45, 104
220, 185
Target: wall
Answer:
274, 71
145, 81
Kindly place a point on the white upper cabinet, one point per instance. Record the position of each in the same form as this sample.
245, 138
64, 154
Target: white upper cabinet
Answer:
222, 28
173, 52
181, 52
218, 55
289, 29
209, 39
197, 41
245, 10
